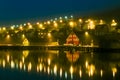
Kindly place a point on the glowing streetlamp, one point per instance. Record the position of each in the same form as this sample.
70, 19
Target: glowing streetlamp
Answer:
55, 24
101, 22
72, 24
12, 27
4, 28
114, 23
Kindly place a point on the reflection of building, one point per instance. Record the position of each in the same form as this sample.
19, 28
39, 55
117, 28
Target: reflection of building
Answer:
72, 57
72, 39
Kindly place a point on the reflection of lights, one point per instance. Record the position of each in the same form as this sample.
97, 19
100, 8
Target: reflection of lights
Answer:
66, 75
12, 64
114, 71
44, 68
48, 70
3, 62
55, 70
24, 67
29, 66
49, 61
8, 58
20, 64
37, 68
101, 72
40, 66
86, 64
71, 70
91, 70
23, 59
60, 72
80, 73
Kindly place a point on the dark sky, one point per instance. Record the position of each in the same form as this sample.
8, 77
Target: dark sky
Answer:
12, 11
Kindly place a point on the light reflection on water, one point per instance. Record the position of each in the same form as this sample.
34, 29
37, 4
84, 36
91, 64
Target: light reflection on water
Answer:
63, 64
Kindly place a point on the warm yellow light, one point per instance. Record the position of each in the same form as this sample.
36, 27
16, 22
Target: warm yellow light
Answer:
91, 25
30, 26
48, 22
86, 33
61, 21
29, 66
114, 71
23, 59
113, 23
25, 42
40, 25
8, 58
4, 28
101, 72
60, 72
71, 69
55, 24
12, 64
91, 70
3, 63
20, 64
25, 53
23, 36
21, 28
12, 27
40, 67
49, 61
86, 64
37, 23
55, 69
80, 73
8, 36
80, 20
101, 22
29, 23
48, 70
71, 23
49, 35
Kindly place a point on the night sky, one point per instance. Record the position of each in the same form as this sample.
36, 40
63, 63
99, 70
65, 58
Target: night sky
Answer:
13, 11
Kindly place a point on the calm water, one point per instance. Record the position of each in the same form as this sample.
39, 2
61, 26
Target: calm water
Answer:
59, 65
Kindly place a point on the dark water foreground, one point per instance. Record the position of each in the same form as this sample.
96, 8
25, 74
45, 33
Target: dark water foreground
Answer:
58, 65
